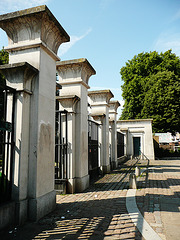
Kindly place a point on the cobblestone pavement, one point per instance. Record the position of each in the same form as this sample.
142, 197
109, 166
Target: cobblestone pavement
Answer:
100, 212
159, 201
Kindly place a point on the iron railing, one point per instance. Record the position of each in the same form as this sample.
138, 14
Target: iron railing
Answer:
6, 141
93, 147
61, 145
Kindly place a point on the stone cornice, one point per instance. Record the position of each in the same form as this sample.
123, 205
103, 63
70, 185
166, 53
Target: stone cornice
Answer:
135, 120
113, 106
73, 82
68, 102
100, 96
31, 24
19, 74
79, 67
98, 117
33, 44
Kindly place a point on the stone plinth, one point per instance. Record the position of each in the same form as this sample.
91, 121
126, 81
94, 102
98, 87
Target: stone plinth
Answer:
73, 77
113, 105
100, 110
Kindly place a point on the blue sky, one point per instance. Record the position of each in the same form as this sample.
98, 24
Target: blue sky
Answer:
110, 32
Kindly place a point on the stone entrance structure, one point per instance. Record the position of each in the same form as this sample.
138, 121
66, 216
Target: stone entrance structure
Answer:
34, 36
138, 137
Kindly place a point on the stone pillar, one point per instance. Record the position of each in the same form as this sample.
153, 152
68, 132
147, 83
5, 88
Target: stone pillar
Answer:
68, 103
20, 75
73, 77
34, 36
100, 110
113, 105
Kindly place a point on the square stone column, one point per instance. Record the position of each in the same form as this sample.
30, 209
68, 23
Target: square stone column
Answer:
68, 103
34, 36
113, 105
73, 77
20, 76
100, 109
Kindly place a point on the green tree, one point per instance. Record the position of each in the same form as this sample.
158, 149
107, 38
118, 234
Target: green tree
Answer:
4, 59
151, 89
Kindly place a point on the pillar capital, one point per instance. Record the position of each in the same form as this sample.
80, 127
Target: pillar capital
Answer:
100, 101
18, 75
33, 27
98, 118
75, 71
101, 97
68, 102
113, 106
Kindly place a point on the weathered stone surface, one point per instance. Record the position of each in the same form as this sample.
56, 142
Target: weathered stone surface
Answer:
33, 26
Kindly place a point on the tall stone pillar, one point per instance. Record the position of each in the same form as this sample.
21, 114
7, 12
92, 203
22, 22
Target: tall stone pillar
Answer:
34, 36
73, 77
20, 75
69, 104
100, 111
113, 105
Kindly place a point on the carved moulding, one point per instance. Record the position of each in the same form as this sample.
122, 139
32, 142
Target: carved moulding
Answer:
68, 102
113, 106
33, 25
19, 75
100, 97
75, 71
98, 118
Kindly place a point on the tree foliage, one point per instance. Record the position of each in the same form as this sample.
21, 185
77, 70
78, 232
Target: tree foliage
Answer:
151, 89
4, 59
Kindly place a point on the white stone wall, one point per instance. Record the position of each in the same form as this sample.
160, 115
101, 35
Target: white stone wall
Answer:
138, 128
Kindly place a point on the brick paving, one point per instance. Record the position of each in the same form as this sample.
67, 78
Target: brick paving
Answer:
100, 211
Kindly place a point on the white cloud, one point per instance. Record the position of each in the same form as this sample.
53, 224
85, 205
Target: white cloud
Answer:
73, 39
14, 5
168, 41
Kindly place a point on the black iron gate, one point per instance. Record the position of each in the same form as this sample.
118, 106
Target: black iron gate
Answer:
61, 144
93, 162
120, 144
6, 141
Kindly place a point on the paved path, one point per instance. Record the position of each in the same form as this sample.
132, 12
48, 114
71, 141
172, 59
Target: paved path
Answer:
100, 212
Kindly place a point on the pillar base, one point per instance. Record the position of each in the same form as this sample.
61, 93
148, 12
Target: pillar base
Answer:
82, 183
71, 185
21, 212
7, 213
114, 165
39, 207
106, 169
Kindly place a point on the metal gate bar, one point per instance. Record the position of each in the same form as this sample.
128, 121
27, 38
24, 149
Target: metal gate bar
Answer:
6, 145
61, 144
93, 163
